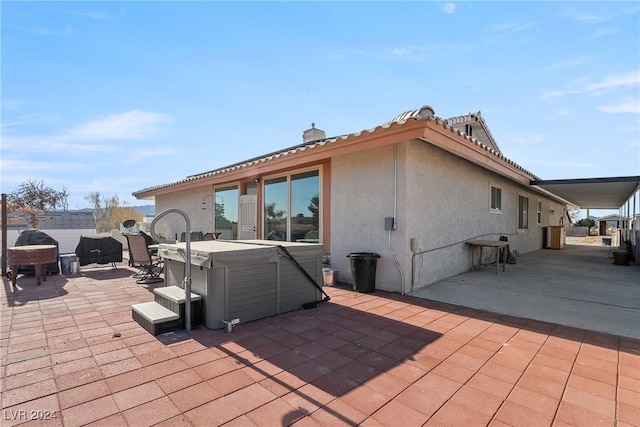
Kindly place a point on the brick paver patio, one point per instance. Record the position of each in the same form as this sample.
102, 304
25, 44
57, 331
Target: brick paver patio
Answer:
72, 356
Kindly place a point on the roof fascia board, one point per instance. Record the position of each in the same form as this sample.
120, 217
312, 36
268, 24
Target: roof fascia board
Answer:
302, 156
586, 180
555, 197
474, 152
433, 131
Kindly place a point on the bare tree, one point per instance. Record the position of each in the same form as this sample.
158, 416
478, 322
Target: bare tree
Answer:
109, 213
64, 198
33, 198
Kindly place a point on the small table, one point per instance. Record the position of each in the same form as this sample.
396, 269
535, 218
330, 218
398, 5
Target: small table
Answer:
499, 245
36, 255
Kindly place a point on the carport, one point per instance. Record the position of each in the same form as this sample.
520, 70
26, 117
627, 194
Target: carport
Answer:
578, 286
603, 193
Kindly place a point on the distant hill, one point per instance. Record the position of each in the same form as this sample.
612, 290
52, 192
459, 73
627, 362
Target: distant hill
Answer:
147, 210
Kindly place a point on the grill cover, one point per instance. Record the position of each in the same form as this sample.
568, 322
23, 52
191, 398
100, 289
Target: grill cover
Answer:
98, 250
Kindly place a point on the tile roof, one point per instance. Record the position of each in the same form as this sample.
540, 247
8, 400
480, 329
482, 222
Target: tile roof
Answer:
424, 113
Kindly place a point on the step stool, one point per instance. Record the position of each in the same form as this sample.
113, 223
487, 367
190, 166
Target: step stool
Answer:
174, 298
155, 318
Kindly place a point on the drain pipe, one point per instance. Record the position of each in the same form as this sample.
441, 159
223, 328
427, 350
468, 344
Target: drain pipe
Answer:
187, 272
395, 214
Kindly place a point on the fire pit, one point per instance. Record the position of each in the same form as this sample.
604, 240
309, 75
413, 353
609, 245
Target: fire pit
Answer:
36, 255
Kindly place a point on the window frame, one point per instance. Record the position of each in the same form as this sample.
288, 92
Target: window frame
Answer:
492, 209
288, 175
522, 215
539, 211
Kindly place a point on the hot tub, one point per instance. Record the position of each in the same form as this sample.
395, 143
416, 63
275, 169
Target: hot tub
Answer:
245, 280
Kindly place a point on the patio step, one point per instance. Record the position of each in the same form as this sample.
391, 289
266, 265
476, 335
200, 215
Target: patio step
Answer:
174, 298
155, 318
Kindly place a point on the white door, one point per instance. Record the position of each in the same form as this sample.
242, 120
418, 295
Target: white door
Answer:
248, 217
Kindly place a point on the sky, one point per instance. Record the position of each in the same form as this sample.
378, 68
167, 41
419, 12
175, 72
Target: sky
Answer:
115, 97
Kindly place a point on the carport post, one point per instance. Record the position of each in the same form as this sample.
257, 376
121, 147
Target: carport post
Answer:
4, 235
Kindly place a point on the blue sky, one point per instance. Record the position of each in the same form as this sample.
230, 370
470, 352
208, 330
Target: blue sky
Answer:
119, 96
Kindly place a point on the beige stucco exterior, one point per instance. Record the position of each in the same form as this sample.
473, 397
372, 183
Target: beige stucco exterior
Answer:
434, 180
442, 202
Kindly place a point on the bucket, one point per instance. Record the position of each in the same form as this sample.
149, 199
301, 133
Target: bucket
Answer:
65, 262
330, 276
75, 267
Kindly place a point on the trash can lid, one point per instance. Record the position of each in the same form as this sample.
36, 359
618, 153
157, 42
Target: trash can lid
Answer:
363, 255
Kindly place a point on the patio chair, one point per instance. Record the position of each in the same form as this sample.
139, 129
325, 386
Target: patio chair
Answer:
140, 257
210, 236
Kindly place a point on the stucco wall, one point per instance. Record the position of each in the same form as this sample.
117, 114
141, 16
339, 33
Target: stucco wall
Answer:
189, 201
362, 195
443, 201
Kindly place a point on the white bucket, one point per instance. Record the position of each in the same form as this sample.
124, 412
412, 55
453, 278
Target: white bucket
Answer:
65, 262
75, 267
330, 276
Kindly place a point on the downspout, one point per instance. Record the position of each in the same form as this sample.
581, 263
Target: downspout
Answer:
395, 214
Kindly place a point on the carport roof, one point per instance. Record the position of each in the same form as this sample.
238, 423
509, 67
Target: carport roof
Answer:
592, 193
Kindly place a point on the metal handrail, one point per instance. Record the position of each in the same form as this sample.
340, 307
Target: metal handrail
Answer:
187, 272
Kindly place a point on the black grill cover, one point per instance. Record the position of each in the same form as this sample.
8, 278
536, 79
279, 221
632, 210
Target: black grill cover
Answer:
98, 250
37, 237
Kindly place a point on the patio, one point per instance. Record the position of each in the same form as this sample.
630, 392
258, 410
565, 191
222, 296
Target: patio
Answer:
578, 286
72, 355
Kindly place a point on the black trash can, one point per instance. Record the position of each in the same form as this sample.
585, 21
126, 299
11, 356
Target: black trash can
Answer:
363, 271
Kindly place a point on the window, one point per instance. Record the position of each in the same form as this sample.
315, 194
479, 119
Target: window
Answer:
468, 130
523, 213
539, 212
226, 220
292, 207
496, 199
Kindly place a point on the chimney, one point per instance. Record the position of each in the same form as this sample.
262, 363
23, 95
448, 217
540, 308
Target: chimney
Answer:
313, 134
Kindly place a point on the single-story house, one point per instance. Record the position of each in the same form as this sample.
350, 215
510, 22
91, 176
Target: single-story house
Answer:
413, 190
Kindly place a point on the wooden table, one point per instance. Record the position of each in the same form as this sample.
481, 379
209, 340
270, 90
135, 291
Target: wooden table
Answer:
36, 255
498, 244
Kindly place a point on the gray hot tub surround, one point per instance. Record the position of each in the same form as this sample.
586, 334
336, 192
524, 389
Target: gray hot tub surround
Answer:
245, 280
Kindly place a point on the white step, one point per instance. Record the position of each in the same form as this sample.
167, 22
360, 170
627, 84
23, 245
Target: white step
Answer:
175, 294
155, 318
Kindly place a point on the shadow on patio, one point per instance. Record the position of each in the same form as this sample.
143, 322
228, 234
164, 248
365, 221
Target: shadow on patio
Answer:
361, 359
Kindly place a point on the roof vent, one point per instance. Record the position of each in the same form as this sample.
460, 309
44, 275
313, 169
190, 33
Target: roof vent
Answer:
313, 134
423, 112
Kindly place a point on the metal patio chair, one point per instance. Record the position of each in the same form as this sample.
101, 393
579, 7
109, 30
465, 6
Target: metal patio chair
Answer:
140, 257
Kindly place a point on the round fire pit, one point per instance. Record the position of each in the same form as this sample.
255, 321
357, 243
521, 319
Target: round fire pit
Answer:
36, 255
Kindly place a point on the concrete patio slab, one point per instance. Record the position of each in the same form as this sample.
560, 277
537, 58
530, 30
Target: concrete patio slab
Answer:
577, 286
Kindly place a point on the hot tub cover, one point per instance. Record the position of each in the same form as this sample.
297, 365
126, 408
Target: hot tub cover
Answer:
219, 253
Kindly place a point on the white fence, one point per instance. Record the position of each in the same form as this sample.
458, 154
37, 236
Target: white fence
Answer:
67, 239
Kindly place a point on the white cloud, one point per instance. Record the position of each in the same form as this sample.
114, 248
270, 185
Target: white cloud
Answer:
568, 63
12, 104
513, 27
130, 125
547, 94
563, 112
603, 32
103, 16
94, 135
32, 166
590, 17
629, 79
44, 31
629, 106
449, 8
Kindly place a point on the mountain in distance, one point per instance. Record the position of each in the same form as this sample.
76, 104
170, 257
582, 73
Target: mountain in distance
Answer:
146, 210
